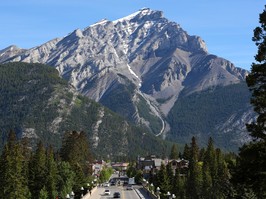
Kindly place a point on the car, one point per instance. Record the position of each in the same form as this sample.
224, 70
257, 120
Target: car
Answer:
129, 187
116, 195
106, 184
113, 183
107, 192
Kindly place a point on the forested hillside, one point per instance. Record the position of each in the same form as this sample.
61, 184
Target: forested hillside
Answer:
36, 103
214, 113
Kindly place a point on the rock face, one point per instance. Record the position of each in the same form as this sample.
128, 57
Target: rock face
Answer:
137, 65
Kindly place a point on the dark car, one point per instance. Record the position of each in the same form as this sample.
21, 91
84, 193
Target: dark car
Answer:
116, 195
113, 183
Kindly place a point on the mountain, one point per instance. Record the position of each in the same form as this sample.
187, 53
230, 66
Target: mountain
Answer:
143, 66
39, 105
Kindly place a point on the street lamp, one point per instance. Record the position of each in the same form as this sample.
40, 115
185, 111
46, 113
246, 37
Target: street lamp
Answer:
88, 185
173, 196
168, 195
144, 182
67, 196
158, 192
81, 190
152, 188
72, 194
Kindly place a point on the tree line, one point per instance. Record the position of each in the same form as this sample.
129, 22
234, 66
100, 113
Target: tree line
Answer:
43, 173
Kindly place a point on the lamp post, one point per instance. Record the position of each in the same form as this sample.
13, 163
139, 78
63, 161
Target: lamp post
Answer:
173, 196
88, 186
168, 195
152, 187
67, 196
144, 182
158, 192
81, 191
72, 194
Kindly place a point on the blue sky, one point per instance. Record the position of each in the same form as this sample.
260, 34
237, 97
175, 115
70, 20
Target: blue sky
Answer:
226, 26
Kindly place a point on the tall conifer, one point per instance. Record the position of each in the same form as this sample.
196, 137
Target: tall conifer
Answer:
251, 167
194, 173
37, 171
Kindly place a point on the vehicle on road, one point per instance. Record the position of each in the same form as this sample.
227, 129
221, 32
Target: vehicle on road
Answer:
107, 192
113, 183
106, 184
116, 195
129, 187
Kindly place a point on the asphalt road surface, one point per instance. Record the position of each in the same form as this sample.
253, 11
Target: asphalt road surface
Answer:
125, 194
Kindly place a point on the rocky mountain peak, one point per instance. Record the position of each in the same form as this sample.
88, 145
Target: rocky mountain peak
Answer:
139, 60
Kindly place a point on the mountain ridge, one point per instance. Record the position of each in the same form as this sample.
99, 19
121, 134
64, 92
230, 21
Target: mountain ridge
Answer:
142, 60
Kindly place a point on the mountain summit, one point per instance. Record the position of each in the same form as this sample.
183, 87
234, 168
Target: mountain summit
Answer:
138, 66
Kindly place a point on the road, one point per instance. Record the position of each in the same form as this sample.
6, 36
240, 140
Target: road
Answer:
125, 194
136, 193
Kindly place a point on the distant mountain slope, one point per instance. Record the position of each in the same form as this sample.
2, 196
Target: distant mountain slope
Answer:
38, 104
213, 113
137, 66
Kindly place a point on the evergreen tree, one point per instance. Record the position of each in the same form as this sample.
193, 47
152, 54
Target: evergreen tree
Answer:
44, 193
210, 159
65, 179
75, 150
163, 180
202, 154
174, 152
170, 175
207, 181
251, 166
194, 173
179, 185
37, 171
224, 189
12, 182
256, 81
51, 175
186, 153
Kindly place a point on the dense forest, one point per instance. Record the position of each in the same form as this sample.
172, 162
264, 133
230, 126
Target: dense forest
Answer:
36, 103
44, 173
201, 114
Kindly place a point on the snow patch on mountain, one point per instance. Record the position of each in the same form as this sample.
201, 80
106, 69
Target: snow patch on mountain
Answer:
133, 73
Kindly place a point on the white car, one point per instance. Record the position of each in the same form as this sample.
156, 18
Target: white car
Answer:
106, 184
107, 192
129, 187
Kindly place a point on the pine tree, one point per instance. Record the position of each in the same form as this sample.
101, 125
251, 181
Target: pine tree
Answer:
194, 173
174, 152
37, 171
210, 159
12, 182
179, 185
256, 81
251, 165
224, 188
65, 178
51, 175
163, 180
186, 152
170, 175
75, 150
207, 181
